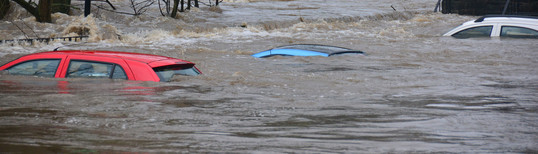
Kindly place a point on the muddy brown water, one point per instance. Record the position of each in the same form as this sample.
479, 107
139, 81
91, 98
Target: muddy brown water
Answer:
414, 91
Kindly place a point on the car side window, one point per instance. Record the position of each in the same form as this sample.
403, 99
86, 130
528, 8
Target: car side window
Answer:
88, 69
119, 73
482, 31
42, 67
518, 32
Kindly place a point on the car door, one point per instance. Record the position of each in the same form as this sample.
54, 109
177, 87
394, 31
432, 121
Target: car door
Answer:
88, 66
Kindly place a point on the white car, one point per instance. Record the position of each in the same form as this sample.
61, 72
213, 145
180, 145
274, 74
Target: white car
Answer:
498, 26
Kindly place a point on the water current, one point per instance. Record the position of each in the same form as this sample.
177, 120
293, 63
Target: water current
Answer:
414, 92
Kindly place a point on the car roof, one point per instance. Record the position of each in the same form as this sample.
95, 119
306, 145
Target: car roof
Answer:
315, 47
145, 58
505, 19
530, 22
306, 50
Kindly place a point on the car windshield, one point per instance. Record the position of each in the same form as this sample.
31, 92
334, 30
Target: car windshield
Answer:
166, 73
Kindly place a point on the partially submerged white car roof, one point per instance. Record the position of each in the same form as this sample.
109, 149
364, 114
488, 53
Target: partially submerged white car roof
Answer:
515, 20
531, 20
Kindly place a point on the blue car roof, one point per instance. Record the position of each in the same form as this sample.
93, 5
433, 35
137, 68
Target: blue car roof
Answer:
305, 50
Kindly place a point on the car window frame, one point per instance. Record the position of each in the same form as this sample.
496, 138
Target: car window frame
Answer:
112, 70
491, 33
511, 25
59, 71
178, 69
119, 61
60, 60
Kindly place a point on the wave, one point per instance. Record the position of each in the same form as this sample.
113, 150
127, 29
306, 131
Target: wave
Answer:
192, 27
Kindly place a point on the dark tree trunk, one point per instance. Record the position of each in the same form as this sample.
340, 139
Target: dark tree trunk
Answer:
188, 4
4, 7
174, 9
182, 2
217, 3
196, 3
45, 10
87, 7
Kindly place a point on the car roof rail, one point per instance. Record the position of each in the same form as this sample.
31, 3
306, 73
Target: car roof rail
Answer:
491, 16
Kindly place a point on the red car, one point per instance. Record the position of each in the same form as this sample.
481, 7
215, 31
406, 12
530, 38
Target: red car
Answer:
100, 64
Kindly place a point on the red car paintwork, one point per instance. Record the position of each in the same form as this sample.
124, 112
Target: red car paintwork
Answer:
137, 66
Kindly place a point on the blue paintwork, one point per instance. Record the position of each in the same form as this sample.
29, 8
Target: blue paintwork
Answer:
289, 52
306, 50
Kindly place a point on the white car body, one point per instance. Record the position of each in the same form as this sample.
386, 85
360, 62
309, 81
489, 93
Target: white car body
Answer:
497, 23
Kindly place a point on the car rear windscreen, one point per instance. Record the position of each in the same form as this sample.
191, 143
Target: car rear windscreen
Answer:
166, 73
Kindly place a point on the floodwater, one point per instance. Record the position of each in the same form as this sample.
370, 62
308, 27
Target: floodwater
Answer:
414, 91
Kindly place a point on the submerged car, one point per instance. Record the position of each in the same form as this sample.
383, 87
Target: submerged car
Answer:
100, 64
498, 26
306, 50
